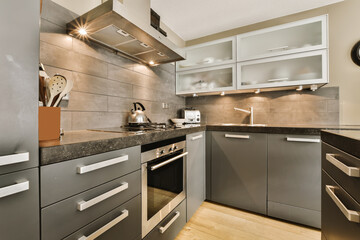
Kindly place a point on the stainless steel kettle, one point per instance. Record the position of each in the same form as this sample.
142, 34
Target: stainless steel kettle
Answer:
137, 115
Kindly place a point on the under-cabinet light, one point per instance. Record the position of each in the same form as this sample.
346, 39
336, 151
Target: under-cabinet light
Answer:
222, 94
151, 63
300, 88
257, 91
82, 31
195, 95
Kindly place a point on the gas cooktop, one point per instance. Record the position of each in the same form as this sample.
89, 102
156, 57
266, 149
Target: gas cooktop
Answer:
137, 129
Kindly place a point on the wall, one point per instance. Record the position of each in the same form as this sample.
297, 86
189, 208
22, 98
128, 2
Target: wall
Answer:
343, 34
283, 107
105, 85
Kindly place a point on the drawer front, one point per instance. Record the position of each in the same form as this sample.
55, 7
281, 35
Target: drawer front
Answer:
335, 226
20, 158
19, 205
62, 180
169, 228
123, 222
65, 217
334, 161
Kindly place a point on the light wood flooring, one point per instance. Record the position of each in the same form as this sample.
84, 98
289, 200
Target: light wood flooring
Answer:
214, 222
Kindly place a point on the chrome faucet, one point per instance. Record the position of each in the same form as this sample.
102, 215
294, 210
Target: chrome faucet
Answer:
251, 112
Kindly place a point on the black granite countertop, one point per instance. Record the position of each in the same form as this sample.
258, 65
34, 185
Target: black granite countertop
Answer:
345, 140
76, 144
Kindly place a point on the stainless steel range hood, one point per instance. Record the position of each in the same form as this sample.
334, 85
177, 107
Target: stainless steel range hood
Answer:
124, 26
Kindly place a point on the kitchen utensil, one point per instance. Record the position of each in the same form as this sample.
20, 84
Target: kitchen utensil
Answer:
55, 86
67, 89
137, 115
42, 90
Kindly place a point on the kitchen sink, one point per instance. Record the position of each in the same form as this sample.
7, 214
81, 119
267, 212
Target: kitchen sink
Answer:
243, 124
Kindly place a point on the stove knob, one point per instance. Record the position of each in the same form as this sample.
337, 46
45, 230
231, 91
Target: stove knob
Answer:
171, 149
162, 152
175, 148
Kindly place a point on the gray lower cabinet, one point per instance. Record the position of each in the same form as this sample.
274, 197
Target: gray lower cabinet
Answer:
169, 228
62, 218
294, 178
124, 222
65, 179
195, 185
19, 205
239, 170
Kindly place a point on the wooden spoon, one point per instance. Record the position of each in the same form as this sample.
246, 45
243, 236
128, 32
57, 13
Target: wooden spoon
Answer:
56, 85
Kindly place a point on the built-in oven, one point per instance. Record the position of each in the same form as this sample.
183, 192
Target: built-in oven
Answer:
163, 180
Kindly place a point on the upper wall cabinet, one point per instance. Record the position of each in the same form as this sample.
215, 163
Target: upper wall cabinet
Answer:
305, 35
213, 53
302, 69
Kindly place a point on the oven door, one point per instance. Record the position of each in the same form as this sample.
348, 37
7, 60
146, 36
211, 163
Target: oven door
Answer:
163, 188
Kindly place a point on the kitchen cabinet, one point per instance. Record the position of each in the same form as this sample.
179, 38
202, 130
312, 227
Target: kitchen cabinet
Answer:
303, 69
195, 180
19, 205
214, 53
212, 79
294, 166
172, 224
77, 196
300, 36
239, 170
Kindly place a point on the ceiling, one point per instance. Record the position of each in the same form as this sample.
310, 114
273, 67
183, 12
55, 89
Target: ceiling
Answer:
192, 19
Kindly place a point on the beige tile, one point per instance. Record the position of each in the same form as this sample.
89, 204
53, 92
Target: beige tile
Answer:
66, 118
57, 39
86, 102
91, 84
333, 106
90, 120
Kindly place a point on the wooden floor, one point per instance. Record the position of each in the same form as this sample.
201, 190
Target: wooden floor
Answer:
213, 221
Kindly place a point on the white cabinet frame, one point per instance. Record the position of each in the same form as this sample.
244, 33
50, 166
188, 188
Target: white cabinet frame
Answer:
185, 50
323, 80
324, 34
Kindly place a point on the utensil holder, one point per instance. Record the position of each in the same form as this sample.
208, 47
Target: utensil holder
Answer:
49, 123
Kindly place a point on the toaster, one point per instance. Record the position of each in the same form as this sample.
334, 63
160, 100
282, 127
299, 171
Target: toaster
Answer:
191, 116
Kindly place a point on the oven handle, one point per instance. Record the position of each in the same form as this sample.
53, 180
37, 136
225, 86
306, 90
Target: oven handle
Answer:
168, 161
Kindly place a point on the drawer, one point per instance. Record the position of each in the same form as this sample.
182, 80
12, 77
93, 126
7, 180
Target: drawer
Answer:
123, 222
343, 168
335, 226
12, 162
170, 227
62, 180
19, 205
65, 217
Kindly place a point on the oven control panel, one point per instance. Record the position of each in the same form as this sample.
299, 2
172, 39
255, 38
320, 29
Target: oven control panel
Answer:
162, 151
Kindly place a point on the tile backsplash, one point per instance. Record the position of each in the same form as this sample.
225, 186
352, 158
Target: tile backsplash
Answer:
105, 84
284, 107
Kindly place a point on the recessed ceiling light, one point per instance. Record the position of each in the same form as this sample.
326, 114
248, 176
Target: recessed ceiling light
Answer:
82, 31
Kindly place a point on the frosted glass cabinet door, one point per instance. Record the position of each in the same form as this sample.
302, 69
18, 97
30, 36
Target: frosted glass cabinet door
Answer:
213, 53
296, 69
220, 78
300, 36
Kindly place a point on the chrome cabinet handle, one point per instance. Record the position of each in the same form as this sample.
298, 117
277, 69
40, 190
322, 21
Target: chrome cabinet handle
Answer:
278, 48
350, 171
83, 205
196, 137
307, 140
237, 136
14, 158
277, 79
105, 228
164, 228
352, 216
103, 164
168, 161
14, 189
